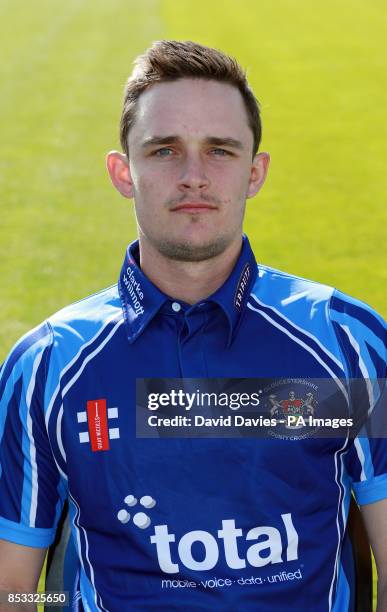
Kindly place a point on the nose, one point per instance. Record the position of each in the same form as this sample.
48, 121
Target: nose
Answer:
193, 174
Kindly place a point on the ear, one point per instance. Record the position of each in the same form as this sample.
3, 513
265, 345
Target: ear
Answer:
118, 168
258, 173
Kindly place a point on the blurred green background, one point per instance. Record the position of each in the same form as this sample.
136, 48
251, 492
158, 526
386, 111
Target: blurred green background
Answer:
319, 70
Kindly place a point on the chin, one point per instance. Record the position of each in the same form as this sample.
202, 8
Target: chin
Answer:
191, 250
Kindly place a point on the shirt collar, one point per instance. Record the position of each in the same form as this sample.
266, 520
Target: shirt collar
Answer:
232, 295
141, 299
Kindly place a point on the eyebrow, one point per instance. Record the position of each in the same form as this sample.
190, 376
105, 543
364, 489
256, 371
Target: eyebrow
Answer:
210, 140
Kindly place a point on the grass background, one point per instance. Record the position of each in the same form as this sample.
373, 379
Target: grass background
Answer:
319, 70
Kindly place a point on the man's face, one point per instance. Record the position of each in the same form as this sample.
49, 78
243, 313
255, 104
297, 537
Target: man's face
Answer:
190, 167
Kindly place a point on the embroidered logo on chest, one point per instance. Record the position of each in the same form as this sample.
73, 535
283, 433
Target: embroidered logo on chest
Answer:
98, 418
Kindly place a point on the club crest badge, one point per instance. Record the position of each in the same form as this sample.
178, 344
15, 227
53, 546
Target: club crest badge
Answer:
289, 409
292, 404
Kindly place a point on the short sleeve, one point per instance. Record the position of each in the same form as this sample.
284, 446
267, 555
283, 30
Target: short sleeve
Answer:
31, 491
362, 336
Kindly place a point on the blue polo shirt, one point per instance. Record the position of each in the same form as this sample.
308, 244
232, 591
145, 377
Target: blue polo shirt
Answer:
173, 523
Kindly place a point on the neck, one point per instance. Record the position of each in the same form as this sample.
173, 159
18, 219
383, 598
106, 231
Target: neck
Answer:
188, 281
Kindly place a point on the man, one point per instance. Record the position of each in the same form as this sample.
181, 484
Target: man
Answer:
172, 523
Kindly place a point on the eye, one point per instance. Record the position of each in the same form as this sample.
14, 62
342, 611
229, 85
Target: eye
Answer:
164, 152
220, 152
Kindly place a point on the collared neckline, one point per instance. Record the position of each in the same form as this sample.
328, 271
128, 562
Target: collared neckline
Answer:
141, 300
232, 295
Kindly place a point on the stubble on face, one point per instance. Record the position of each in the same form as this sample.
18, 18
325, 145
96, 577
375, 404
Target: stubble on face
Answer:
185, 251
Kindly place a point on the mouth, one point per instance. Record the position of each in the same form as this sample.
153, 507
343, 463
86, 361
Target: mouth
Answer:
194, 207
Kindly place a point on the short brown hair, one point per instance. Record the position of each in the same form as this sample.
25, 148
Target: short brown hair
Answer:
169, 60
